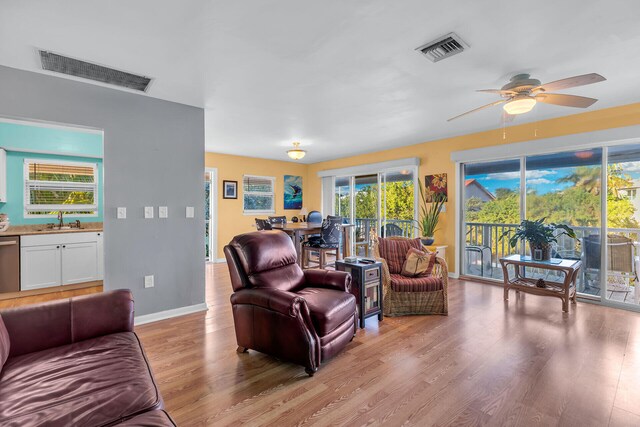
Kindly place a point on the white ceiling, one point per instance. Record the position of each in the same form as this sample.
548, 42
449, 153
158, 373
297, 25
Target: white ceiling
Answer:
341, 76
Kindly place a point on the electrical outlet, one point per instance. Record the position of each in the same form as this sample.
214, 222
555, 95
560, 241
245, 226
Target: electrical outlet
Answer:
148, 212
191, 212
148, 281
122, 213
163, 212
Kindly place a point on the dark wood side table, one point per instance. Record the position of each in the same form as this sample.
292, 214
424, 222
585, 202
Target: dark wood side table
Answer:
366, 285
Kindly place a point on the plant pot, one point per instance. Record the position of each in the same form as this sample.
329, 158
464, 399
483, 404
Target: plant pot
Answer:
540, 251
427, 241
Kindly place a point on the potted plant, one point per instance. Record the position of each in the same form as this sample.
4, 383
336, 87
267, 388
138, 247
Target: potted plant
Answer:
539, 235
430, 208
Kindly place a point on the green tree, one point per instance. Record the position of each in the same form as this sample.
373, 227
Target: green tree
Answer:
578, 205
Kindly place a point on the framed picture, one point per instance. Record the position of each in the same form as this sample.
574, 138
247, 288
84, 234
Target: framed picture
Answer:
292, 192
229, 189
435, 186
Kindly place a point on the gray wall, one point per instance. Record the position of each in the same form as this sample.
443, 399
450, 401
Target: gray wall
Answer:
154, 156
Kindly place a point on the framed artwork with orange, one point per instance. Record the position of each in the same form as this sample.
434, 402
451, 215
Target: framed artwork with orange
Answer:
435, 187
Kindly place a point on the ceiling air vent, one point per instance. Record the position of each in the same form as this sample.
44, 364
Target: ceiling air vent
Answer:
443, 47
86, 70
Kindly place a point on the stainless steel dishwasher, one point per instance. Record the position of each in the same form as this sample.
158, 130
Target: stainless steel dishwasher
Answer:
10, 264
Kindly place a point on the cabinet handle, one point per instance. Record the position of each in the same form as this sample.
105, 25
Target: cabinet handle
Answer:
9, 243
64, 246
57, 247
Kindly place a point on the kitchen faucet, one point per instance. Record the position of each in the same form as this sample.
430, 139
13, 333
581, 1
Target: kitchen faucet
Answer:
60, 219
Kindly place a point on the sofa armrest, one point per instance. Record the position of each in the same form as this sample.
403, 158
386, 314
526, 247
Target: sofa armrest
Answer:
338, 280
283, 302
41, 326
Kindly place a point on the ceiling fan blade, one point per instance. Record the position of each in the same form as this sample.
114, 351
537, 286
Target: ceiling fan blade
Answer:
498, 91
478, 109
565, 100
585, 79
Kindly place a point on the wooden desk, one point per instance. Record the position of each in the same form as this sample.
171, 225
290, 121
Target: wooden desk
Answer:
565, 290
299, 229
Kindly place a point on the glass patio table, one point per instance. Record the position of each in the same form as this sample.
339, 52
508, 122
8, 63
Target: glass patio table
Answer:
517, 278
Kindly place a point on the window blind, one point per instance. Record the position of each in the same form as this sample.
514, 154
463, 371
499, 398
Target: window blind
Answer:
51, 187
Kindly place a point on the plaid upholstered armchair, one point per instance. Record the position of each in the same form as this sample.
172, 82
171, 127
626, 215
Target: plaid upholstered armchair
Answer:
402, 295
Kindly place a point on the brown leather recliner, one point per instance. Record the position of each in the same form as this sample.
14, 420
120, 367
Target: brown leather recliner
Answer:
304, 317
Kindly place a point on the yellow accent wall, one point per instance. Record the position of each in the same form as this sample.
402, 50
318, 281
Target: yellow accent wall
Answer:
231, 220
435, 158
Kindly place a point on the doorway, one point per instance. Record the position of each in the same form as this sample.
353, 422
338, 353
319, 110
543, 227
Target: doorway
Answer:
210, 214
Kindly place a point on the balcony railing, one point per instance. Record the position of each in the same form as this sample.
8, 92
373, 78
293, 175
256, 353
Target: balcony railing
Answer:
395, 227
487, 235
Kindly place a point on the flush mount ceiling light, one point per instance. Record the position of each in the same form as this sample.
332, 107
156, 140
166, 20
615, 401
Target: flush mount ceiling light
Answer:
296, 153
520, 104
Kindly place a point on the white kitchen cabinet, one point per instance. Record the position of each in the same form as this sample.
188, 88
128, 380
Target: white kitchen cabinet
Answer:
79, 262
60, 259
40, 267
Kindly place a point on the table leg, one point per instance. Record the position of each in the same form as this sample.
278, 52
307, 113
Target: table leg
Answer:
505, 274
568, 279
298, 244
346, 242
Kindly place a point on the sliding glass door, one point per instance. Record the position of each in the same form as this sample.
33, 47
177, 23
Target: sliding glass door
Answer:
492, 198
384, 203
398, 203
623, 225
596, 191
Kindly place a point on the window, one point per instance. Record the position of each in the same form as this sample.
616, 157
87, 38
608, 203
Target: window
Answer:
258, 194
54, 186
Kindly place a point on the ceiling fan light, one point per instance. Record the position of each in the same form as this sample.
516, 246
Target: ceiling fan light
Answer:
296, 153
519, 105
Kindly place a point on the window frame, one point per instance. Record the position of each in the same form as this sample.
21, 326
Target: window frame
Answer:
26, 188
271, 193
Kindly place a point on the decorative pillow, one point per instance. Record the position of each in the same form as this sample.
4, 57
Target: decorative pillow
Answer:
4, 344
394, 251
418, 263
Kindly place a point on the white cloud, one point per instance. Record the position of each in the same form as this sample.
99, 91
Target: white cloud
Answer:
504, 176
538, 181
631, 167
540, 173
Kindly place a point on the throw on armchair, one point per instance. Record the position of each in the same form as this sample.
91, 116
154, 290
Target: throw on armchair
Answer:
302, 317
403, 295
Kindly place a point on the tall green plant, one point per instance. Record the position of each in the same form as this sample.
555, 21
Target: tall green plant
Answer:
537, 232
430, 209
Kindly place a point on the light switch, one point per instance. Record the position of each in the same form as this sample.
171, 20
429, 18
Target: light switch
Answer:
148, 281
191, 212
163, 212
148, 212
122, 213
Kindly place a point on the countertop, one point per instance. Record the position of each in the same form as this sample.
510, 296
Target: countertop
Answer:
30, 230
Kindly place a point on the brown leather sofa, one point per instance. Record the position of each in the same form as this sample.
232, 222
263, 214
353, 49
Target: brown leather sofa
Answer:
304, 317
76, 362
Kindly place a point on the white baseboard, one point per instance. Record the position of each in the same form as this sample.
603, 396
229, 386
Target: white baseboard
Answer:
168, 314
454, 275
220, 261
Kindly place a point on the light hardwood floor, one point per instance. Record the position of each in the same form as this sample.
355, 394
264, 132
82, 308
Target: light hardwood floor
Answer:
490, 362
18, 299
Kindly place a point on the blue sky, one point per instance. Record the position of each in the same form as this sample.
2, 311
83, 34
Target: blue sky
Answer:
543, 180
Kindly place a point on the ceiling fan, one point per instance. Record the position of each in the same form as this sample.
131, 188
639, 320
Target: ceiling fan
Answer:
521, 94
